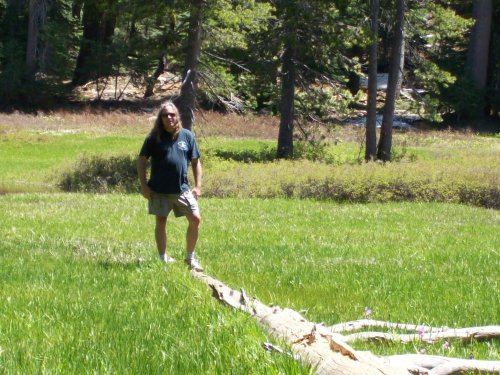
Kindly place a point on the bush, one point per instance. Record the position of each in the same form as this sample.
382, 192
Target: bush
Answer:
264, 154
353, 183
247, 174
99, 174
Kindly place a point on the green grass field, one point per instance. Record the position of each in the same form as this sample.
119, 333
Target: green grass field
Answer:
83, 291
83, 288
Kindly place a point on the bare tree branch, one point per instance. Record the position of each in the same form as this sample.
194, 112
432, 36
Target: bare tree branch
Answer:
328, 351
231, 62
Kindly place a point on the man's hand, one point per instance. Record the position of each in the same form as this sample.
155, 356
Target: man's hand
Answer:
146, 192
141, 171
196, 192
197, 173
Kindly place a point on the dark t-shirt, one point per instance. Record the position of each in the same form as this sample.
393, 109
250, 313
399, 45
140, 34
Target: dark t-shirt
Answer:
169, 161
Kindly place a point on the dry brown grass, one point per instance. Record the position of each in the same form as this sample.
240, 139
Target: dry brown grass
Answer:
104, 120
87, 120
237, 126
208, 123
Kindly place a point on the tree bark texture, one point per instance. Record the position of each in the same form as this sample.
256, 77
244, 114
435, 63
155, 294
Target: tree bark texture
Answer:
479, 44
187, 99
99, 22
76, 8
478, 53
354, 80
14, 10
371, 117
385, 141
285, 136
37, 15
150, 84
399, 83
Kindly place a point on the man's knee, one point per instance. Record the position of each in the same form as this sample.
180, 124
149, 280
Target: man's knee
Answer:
161, 221
194, 219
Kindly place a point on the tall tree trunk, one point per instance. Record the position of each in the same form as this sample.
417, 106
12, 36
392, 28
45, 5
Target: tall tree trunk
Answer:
479, 44
354, 80
160, 68
76, 8
385, 142
37, 16
371, 116
285, 136
12, 71
399, 83
187, 100
99, 22
14, 10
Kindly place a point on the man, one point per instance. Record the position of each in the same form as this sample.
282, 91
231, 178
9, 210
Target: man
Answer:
171, 149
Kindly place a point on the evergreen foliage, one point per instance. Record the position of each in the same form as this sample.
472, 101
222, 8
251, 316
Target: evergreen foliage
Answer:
242, 46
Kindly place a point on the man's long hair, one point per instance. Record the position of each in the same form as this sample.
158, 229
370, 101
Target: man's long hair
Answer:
158, 132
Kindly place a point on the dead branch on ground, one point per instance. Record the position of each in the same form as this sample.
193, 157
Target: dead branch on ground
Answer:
326, 349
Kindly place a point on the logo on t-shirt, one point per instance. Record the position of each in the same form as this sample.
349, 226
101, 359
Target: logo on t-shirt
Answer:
182, 146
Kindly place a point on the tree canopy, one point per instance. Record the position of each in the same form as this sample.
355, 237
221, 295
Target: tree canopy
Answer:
48, 47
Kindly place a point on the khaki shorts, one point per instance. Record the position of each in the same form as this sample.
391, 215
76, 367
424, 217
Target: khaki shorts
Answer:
183, 204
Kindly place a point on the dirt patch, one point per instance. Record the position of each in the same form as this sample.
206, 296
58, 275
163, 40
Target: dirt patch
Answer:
128, 88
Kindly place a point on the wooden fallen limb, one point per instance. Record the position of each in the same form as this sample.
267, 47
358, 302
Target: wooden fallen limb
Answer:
328, 351
370, 323
423, 332
436, 365
476, 333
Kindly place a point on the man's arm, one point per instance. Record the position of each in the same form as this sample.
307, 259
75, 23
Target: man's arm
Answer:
141, 171
198, 175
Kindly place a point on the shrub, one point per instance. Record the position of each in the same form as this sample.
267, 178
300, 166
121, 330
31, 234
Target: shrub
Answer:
99, 174
264, 154
252, 173
353, 183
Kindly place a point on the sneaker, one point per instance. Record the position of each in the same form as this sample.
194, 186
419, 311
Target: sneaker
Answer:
194, 265
168, 259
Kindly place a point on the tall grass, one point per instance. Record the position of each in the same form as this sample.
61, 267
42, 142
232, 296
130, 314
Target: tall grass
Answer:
83, 292
78, 268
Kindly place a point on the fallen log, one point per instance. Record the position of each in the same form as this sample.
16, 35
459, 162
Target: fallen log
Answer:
437, 365
370, 323
476, 333
328, 351
423, 332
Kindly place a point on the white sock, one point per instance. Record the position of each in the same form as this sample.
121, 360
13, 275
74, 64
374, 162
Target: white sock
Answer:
190, 255
163, 257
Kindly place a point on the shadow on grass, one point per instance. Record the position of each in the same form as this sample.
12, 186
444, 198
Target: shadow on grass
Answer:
127, 265
265, 154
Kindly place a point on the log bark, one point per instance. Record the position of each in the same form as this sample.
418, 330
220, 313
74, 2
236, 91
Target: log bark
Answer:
328, 351
424, 333
436, 365
311, 342
476, 333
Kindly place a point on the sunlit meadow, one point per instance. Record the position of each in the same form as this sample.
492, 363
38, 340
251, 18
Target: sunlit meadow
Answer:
83, 292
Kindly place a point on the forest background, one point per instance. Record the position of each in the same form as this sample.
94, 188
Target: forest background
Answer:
237, 55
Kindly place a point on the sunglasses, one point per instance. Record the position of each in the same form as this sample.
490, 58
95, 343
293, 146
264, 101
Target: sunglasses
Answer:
170, 114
